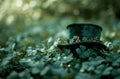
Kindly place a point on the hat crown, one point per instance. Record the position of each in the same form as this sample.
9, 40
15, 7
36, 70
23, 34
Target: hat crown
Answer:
84, 32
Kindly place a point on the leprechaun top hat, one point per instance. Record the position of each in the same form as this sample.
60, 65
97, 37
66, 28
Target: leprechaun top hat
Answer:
86, 34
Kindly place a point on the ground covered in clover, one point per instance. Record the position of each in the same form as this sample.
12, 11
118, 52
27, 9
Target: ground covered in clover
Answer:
49, 62
31, 29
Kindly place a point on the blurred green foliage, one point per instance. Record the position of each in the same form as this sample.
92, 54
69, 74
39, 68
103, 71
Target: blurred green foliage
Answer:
48, 17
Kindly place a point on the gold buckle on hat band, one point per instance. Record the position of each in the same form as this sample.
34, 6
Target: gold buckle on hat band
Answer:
77, 39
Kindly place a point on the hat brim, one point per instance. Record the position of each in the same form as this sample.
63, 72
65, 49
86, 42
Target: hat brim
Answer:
88, 44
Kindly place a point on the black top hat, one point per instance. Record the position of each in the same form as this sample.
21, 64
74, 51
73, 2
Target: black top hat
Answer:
83, 34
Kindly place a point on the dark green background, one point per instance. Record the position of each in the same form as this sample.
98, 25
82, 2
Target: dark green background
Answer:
48, 18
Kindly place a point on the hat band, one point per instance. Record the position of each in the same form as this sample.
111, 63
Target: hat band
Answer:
77, 39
